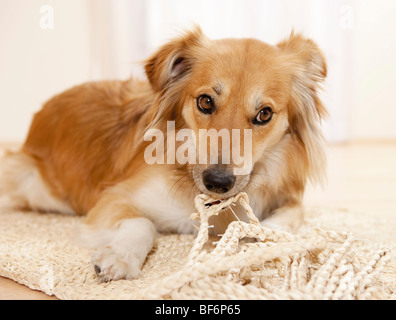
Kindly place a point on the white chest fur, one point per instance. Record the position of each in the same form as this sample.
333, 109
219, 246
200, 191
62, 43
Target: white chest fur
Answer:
156, 200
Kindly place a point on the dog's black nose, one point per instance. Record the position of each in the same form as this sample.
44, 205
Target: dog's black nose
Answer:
217, 180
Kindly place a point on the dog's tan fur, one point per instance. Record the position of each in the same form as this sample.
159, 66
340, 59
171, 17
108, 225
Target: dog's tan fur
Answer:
85, 146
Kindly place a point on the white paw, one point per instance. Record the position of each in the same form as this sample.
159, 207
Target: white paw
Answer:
276, 226
110, 265
121, 252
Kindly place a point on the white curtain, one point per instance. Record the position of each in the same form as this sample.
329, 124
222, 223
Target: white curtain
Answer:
125, 32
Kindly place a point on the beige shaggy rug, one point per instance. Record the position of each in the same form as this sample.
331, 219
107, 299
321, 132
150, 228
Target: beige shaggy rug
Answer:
336, 255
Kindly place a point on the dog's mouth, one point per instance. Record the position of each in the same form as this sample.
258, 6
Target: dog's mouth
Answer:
209, 204
221, 196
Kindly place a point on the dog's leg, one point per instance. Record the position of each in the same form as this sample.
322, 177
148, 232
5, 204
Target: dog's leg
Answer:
288, 218
21, 185
12, 173
121, 237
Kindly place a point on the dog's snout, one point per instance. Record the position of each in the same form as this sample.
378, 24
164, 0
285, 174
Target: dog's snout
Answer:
217, 180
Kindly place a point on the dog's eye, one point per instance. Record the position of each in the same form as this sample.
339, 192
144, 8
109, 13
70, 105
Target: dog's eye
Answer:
205, 104
264, 116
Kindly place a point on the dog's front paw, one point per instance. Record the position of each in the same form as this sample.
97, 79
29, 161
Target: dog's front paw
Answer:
110, 265
122, 251
286, 219
276, 226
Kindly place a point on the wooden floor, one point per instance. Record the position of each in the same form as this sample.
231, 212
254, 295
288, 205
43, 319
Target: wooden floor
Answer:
361, 177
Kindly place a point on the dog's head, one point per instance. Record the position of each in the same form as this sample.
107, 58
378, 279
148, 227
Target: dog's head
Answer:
266, 92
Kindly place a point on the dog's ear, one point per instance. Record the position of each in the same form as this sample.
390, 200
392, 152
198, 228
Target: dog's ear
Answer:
174, 60
308, 68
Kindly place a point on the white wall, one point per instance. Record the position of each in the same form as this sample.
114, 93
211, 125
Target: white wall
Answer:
373, 114
36, 64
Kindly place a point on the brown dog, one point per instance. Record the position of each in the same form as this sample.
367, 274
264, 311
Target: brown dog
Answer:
85, 151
